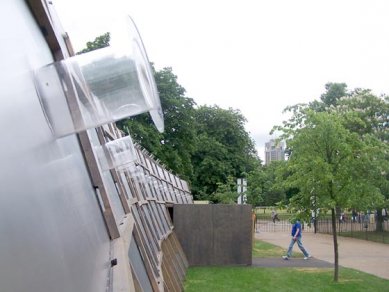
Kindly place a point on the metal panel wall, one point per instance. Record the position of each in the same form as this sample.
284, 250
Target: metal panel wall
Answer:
53, 237
62, 218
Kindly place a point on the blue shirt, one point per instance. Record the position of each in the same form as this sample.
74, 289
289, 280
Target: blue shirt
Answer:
296, 225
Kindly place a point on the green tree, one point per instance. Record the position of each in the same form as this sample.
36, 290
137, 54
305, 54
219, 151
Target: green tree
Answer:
330, 98
341, 168
256, 180
175, 146
179, 138
203, 145
272, 192
364, 114
262, 186
99, 42
334, 92
224, 148
226, 193
210, 165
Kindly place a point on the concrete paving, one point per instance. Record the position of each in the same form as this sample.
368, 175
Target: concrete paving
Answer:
366, 256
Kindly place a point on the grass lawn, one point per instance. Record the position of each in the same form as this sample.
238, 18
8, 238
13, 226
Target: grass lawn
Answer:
248, 279
263, 249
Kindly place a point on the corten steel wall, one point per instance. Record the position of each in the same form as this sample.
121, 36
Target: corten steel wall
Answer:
214, 234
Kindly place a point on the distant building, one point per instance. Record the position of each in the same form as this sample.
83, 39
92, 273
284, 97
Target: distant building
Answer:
274, 151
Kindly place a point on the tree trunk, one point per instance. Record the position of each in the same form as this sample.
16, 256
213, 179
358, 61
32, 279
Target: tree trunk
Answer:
335, 237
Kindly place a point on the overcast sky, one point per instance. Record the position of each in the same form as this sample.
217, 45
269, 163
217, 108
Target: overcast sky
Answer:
255, 56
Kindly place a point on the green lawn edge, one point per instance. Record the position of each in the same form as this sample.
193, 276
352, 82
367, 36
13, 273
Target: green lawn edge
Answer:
251, 278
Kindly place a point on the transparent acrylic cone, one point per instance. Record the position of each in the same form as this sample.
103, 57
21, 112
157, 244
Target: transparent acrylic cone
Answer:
102, 86
117, 154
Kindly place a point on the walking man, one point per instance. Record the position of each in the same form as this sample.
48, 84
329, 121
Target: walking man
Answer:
274, 216
296, 237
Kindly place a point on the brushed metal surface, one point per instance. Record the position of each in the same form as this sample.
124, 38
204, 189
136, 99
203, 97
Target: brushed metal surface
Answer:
53, 236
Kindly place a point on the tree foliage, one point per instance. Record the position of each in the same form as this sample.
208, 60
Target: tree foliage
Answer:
203, 145
226, 193
366, 113
334, 92
339, 167
176, 145
262, 187
224, 148
256, 179
101, 41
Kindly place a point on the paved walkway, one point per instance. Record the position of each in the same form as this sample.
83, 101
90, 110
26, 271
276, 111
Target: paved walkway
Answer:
366, 256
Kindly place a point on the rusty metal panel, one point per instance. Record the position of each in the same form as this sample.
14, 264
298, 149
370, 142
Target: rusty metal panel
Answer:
214, 234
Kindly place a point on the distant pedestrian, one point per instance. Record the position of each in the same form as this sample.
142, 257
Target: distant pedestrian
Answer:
254, 219
342, 218
296, 237
366, 220
274, 216
354, 216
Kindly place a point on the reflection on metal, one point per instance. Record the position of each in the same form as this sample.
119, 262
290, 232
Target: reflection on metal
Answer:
63, 206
